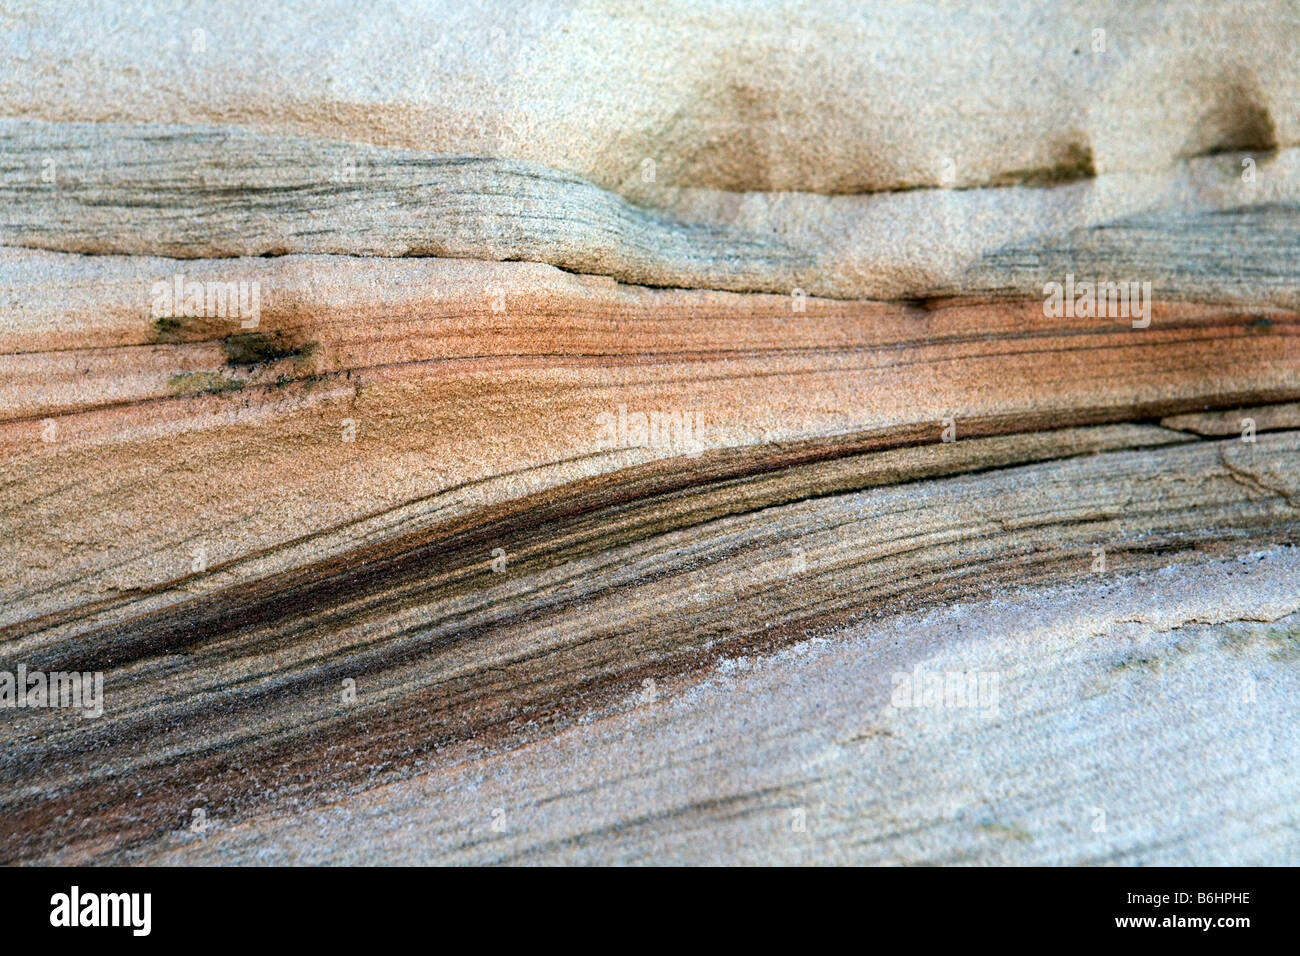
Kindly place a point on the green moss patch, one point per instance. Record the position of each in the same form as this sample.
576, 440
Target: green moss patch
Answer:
202, 383
166, 329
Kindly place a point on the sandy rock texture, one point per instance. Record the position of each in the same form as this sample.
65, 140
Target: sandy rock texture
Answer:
595, 433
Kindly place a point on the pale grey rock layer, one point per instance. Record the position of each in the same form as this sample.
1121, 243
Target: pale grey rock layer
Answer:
1198, 228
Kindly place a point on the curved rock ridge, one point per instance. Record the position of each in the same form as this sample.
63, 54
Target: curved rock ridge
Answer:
219, 191
236, 692
837, 97
888, 785
468, 384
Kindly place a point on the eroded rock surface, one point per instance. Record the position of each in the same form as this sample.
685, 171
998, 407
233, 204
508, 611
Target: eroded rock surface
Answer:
562, 437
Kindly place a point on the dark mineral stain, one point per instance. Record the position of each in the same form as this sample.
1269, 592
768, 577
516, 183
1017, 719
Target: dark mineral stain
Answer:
254, 348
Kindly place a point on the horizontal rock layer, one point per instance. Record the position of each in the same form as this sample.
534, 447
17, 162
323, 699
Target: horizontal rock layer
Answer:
204, 191
833, 97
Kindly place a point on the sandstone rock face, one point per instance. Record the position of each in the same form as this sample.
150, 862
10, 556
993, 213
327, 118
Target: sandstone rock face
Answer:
598, 434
